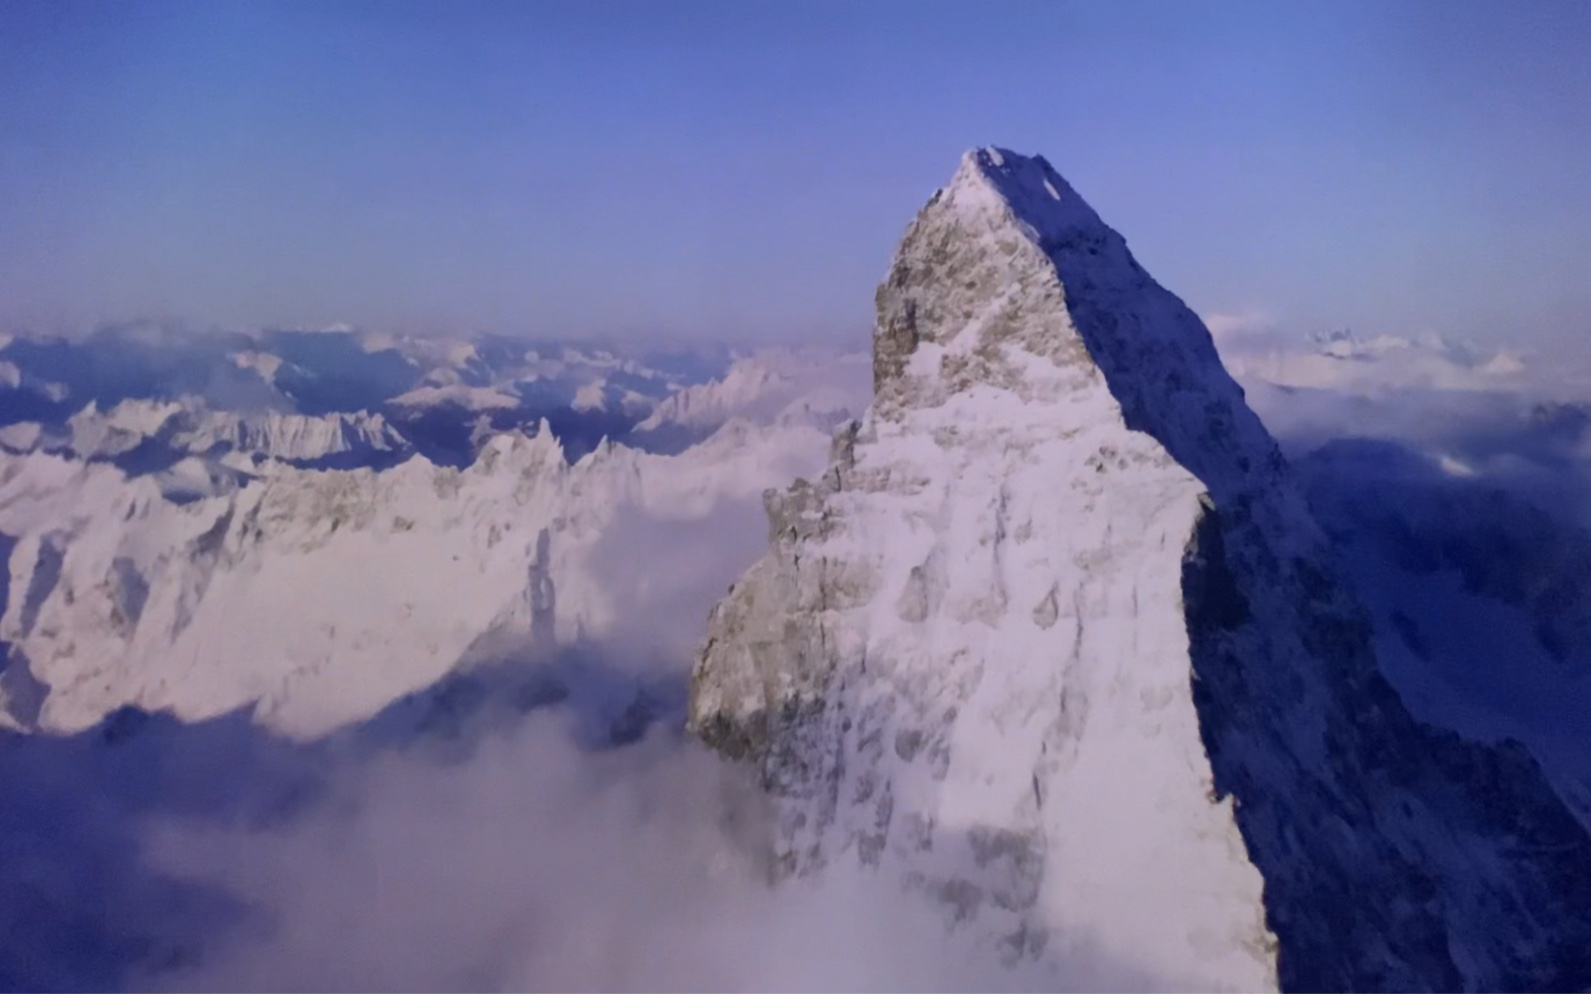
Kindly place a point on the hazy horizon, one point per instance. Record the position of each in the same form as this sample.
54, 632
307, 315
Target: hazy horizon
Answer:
741, 172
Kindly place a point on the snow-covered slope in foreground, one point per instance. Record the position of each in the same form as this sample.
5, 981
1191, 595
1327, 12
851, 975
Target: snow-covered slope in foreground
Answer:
1056, 641
318, 597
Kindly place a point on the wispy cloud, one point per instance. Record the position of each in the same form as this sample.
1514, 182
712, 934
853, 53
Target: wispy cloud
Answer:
1226, 326
539, 866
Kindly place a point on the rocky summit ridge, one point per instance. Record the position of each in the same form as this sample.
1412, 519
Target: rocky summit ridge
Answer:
1056, 641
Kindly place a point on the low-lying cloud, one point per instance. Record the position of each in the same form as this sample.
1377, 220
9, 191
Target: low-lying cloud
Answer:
1502, 417
538, 866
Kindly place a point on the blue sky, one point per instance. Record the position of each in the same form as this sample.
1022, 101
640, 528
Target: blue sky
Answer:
743, 169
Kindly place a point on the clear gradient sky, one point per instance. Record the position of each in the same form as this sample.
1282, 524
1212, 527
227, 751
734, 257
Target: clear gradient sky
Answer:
743, 169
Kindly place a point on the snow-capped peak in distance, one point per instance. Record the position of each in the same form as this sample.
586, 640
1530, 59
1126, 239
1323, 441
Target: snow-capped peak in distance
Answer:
433, 390
1342, 360
123, 596
1055, 639
1426, 388
146, 523
810, 386
189, 427
331, 369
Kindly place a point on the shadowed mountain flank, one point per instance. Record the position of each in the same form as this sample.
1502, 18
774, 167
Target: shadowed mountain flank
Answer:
1056, 638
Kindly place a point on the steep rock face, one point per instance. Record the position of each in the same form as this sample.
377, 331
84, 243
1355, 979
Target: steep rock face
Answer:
1056, 640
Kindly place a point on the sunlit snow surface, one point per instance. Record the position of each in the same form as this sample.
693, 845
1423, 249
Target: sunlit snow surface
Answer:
240, 571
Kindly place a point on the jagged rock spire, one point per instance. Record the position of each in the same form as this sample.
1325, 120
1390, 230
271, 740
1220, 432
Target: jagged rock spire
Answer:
1056, 641
1008, 254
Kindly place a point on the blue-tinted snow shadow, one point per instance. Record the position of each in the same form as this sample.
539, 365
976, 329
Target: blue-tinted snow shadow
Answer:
82, 908
1479, 591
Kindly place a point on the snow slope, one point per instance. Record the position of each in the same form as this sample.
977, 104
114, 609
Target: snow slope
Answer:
1056, 642
319, 597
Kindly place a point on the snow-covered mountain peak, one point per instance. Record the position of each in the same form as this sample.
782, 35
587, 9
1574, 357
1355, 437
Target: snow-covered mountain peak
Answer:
769, 386
1008, 282
1055, 639
190, 426
524, 449
997, 180
124, 585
